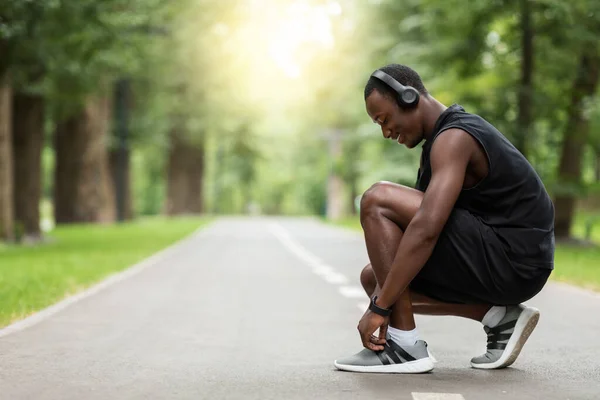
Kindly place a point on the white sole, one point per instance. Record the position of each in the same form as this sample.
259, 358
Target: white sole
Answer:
411, 367
525, 325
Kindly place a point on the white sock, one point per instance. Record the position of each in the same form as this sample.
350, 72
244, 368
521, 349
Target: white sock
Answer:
404, 338
494, 316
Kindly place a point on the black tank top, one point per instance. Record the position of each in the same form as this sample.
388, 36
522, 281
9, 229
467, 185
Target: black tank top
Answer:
511, 199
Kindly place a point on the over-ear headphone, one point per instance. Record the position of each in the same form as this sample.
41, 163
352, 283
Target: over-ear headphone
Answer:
408, 96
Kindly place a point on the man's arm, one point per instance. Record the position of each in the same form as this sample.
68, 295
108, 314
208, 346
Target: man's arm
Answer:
450, 156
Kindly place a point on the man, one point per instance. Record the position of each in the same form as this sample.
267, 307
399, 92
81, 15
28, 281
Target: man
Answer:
475, 238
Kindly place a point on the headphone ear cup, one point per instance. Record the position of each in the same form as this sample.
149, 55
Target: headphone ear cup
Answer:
409, 97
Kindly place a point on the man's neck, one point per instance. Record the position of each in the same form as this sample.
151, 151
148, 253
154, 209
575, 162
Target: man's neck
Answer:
431, 114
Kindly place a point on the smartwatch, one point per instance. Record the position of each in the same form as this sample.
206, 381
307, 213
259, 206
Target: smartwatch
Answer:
384, 312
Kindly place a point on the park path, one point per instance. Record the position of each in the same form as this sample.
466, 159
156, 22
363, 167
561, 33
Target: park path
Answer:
258, 308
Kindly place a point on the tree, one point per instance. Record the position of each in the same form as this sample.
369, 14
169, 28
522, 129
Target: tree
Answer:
120, 150
28, 139
525, 106
108, 40
83, 186
185, 173
6, 161
575, 137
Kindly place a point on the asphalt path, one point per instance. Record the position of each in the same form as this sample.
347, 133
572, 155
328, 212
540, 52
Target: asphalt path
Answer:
259, 308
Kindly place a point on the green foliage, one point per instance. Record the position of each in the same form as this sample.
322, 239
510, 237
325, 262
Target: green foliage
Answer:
209, 66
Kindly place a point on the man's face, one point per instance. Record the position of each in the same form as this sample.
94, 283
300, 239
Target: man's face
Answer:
401, 125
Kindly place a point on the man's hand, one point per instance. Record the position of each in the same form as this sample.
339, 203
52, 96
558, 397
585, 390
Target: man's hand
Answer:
368, 325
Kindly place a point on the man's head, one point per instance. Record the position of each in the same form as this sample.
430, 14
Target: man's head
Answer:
398, 123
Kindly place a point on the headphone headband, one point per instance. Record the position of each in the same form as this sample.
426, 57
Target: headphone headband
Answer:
407, 95
391, 82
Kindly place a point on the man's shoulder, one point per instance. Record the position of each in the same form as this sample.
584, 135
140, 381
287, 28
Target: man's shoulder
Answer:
453, 140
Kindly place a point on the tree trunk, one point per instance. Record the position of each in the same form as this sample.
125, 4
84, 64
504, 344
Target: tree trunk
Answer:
120, 153
335, 183
6, 161
524, 118
597, 165
353, 196
351, 174
120, 170
218, 181
28, 141
83, 187
574, 138
185, 173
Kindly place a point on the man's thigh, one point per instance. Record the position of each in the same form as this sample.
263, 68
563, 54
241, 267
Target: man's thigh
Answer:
469, 265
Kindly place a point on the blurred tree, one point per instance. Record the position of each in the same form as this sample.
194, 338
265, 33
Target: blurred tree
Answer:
573, 66
185, 172
28, 140
120, 150
575, 137
107, 40
525, 106
6, 161
83, 190
17, 20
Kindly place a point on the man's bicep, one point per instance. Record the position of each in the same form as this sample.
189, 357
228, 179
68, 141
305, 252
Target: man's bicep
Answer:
450, 156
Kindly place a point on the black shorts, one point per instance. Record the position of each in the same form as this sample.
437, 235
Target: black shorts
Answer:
469, 265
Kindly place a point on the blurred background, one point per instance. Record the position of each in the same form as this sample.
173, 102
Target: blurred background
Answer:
125, 125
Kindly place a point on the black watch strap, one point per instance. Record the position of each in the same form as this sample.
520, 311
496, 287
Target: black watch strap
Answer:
384, 312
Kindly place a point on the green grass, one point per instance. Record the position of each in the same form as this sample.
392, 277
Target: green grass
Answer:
576, 265
34, 277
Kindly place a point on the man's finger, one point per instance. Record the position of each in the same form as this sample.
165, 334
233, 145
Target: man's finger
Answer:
376, 344
369, 344
377, 340
383, 332
366, 340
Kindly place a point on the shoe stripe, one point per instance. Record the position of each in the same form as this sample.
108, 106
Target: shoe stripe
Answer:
504, 327
391, 354
400, 351
499, 337
382, 357
496, 346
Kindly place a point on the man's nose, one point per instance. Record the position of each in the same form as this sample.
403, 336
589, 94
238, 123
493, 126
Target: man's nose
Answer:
386, 132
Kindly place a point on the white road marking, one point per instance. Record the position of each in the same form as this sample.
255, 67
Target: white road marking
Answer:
437, 396
353, 292
336, 278
109, 281
295, 248
327, 272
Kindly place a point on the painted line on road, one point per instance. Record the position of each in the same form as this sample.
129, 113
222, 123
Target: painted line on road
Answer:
353, 292
327, 272
109, 281
437, 396
284, 237
336, 279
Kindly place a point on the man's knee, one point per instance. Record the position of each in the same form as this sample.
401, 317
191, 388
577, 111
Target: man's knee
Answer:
368, 280
374, 197
395, 202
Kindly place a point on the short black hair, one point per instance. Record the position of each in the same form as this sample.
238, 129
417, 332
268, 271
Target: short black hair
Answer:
403, 74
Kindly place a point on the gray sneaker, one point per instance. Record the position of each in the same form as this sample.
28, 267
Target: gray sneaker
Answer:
506, 340
392, 360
